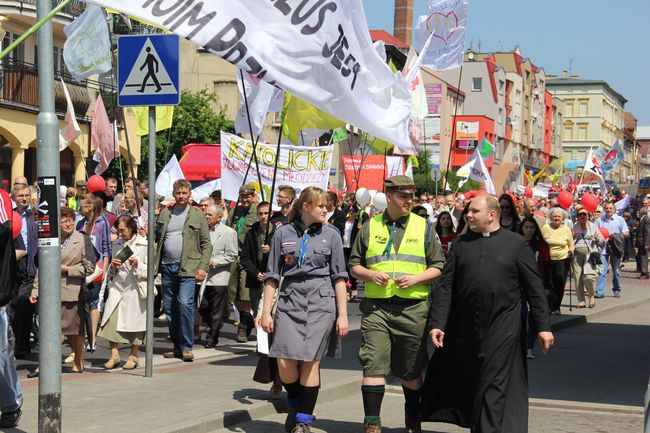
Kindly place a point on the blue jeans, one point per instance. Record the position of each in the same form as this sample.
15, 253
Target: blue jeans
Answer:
11, 396
178, 303
602, 278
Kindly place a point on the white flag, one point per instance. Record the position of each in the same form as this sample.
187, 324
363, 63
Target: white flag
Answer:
70, 130
413, 74
476, 169
170, 174
87, 49
409, 170
259, 95
322, 53
204, 191
447, 21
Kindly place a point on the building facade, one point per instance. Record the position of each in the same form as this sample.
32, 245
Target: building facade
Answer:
19, 103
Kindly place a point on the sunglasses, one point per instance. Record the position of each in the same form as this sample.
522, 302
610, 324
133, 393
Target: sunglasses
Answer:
582, 214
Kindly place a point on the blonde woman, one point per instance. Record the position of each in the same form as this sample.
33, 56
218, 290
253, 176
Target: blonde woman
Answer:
308, 255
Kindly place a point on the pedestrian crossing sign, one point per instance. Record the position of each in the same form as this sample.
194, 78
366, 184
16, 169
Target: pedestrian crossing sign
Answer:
148, 70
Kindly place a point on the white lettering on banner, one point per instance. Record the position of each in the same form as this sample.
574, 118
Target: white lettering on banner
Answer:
299, 166
318, 50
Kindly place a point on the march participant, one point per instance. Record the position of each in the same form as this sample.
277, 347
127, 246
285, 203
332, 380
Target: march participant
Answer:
307, 254
398, 256
285, 197
477, 375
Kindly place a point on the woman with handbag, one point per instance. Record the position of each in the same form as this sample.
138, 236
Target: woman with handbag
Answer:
586, 261
77, 262
307, 255
125, 318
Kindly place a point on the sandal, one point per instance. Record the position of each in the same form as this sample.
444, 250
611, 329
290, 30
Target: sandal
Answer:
111, 363
130, 363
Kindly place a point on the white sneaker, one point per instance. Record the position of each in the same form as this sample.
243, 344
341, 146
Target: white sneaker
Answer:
530, 354
69, 359
617, 294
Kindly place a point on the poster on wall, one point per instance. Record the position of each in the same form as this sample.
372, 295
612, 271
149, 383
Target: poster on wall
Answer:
434, 97
298, 166
371, 170
467, 130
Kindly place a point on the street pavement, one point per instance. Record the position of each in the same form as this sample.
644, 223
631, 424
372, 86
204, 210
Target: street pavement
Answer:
593, 381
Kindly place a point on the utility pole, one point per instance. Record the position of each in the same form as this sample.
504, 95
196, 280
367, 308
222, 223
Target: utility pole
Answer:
49, 250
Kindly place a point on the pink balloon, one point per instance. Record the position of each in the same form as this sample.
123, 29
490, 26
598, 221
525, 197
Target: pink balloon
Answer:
604, 232
529, 193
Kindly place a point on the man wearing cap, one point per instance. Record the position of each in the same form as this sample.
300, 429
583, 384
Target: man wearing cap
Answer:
242, 219
82, 188
398, 255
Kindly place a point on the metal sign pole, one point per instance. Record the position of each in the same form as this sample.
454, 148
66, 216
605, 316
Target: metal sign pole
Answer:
49, 250
151, 253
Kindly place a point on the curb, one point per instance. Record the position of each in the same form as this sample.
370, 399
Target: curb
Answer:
582, 320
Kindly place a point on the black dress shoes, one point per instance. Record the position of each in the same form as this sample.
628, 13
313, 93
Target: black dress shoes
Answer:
10, 419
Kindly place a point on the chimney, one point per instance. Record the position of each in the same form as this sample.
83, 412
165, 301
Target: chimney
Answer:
565, 74
403, 25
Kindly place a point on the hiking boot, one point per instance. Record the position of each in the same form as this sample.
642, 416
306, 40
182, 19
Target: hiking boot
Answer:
10, 419
412, 423
241, 336
174, 354
301, 428
187, 356
290, 422
371, 428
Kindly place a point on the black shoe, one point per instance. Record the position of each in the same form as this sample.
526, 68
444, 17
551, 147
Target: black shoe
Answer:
32, 374
412, 423
21, 354
210, 344
10, 419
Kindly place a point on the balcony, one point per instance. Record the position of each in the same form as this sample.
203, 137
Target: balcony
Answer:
19, 90
28, 8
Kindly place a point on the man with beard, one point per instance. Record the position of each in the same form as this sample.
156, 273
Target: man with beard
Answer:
477, 376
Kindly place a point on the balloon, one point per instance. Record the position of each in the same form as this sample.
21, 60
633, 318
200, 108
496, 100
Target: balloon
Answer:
379, 201
529, 192
604, 232
590, 202
565, 199
5, 202
363, 197
63, 191
16, 224
96, 183
372, 193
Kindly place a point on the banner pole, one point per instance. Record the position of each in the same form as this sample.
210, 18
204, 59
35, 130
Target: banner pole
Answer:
426, 155
453, 128
275, 172
151, 234
132, 169
250, 128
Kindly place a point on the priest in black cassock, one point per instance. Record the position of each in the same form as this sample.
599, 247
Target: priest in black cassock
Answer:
477, 375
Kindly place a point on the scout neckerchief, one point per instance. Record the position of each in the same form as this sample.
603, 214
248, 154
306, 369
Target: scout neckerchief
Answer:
391, 236
302, 251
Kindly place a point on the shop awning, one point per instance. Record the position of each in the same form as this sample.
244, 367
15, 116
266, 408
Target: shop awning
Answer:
201, 161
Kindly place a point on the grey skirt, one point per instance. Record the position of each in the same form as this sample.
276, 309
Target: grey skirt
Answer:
305, 322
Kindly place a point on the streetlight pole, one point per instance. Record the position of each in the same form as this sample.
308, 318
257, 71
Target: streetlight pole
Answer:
49, 250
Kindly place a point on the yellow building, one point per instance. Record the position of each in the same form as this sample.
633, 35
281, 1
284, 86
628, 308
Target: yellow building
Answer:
19, 103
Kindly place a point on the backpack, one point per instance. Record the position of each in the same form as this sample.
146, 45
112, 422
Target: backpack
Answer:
616, 245
7, 264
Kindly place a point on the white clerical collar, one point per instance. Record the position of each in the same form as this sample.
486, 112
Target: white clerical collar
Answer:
486, 235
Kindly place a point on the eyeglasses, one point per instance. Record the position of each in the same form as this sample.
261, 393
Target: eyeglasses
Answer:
204, 205
582, 214
405, 196
505, 207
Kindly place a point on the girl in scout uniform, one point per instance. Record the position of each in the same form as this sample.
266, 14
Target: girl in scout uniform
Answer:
312, 309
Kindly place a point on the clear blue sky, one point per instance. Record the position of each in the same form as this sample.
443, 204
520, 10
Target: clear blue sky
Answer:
606, 40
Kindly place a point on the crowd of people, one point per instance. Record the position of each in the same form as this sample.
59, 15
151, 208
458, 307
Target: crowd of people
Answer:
292, 271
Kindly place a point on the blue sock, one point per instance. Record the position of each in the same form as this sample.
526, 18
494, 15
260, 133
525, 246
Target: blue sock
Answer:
304, 418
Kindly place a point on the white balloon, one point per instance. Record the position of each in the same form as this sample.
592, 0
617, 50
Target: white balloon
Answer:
63, 190
379, 201
363, 197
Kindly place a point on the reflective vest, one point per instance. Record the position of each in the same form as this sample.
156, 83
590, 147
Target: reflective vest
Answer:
410, 259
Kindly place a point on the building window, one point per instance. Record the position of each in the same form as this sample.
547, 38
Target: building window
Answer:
568, 132
501, 84
477, 84
18, 54
582, 132
568, 108
583, 108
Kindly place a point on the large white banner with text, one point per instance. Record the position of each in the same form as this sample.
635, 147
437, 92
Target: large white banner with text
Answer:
320, 51
299, 166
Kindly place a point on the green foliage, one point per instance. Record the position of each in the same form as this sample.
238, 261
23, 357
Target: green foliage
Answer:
194, 121
424, 182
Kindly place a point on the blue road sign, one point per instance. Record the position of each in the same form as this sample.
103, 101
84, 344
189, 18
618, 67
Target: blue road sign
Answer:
148, 70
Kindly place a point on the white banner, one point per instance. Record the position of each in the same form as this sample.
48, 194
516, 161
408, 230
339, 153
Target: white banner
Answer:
167, 176
447, 21
70, 130
87, 49
299, 166
259, 95
476, 170
322, 53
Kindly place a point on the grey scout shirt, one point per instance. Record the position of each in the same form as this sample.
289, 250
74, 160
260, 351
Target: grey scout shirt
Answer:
324, 253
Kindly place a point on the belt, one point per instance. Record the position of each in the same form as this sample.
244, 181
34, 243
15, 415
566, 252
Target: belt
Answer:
306, 277
396, 300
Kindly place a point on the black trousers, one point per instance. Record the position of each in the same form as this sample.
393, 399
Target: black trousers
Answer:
642, 260
23, 316
215, 300
559, 270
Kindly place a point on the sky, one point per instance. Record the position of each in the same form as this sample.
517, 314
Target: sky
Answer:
594, 39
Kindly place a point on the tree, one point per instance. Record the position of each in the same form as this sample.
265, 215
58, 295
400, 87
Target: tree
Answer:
194, 121
424, 182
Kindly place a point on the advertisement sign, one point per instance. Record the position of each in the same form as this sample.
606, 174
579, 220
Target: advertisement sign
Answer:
466, 144
434, 97
48, 212
467, 130
371, 170
299, 166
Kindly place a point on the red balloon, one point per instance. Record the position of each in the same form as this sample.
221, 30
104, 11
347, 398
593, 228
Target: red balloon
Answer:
590, 202
565, 199
604, 232
16, 224
529, 193
96, 183
5, 202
